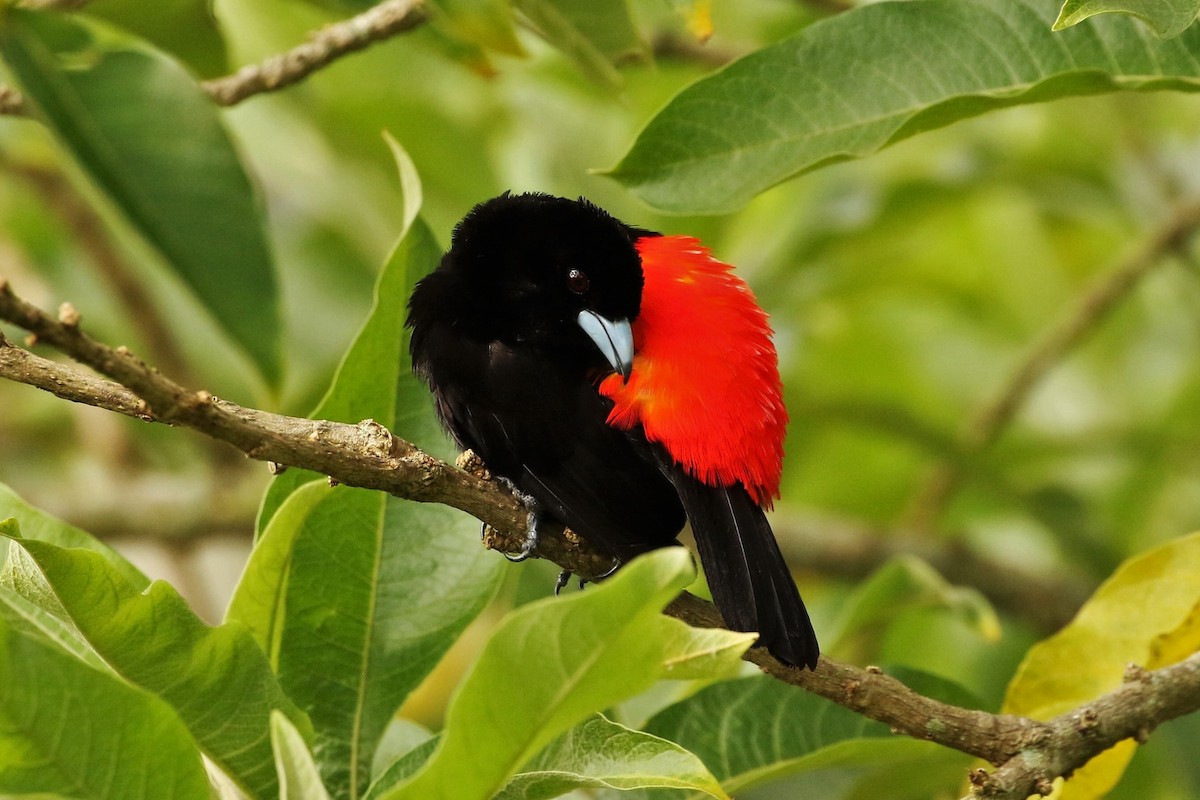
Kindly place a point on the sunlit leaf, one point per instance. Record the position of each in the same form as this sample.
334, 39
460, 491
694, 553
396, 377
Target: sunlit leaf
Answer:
1166, 17
37, 524
1147, 613
298, 776
548, 666
375, 379
599, 753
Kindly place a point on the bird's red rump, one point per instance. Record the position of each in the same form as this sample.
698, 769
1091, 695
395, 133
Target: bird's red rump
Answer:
705, 381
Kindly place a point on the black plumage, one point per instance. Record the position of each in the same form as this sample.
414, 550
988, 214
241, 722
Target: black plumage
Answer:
497, 334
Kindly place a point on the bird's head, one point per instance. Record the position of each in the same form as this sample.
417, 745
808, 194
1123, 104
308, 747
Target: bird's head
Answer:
550, 271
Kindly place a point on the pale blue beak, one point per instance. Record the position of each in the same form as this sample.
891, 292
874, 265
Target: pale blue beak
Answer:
613, 337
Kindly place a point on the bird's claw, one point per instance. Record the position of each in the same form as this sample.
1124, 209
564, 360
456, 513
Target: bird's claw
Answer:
562, 580
564, 577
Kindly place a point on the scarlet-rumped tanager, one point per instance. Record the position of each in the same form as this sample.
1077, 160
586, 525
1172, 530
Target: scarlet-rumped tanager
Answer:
622, 380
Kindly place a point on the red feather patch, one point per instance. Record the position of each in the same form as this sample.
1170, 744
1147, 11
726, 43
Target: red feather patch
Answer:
705, 381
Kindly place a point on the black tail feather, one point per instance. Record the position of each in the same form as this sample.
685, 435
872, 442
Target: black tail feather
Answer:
749, 580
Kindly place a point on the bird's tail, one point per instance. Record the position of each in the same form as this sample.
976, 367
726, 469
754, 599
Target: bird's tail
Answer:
747, 575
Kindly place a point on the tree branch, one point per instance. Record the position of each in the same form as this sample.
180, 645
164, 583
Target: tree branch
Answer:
368, 456
1073, 328
380, 22
1143, 702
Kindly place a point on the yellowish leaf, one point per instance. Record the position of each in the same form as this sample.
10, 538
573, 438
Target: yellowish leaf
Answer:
1147, 613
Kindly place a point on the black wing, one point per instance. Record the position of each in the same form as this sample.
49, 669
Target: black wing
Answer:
544, 427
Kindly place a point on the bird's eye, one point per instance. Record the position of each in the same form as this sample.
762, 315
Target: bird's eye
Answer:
577, 281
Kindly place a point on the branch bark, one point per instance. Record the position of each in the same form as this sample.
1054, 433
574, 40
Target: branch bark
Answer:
380, 22
1027, 752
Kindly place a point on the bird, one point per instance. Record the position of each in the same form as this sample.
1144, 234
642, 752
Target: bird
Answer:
623, 382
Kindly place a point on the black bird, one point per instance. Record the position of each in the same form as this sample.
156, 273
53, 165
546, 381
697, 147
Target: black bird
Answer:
622, 380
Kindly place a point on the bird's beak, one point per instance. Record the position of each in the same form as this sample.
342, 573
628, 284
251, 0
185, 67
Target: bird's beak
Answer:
613, 337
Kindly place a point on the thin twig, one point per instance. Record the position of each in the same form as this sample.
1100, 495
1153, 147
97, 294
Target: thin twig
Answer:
377, 23
992, 418
380, 22
367, 455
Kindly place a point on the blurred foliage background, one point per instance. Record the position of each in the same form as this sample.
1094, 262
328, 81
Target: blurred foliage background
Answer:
904, 290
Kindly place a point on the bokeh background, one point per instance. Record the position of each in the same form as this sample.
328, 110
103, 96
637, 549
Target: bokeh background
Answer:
904, 289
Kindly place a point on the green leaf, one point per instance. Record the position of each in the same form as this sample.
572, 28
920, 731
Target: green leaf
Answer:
853, 83
259, 599
44, 616
375, 379
67, 729
1147, 613
903, 584
599, 753
210, 676
185, 28
1166, 18
549, 665
402, 768
298, 776
703, 653
594, 33
753, 729
37, 524
154, 145
376, 590
356, 595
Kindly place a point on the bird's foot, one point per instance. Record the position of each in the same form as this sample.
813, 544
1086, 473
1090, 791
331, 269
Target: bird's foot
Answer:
532, 525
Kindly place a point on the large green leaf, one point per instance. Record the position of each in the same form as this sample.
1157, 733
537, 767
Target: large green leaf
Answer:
185, 28
356, 595
216, 679
753, 729
376, 590
548, 666
599, 753
154, 145
1147, 613
1167, 17
855, 82
375, 379
69, 730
